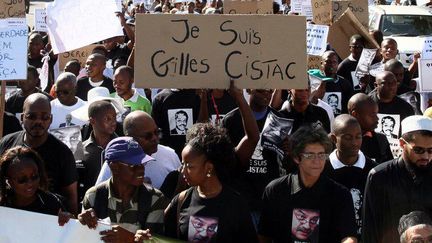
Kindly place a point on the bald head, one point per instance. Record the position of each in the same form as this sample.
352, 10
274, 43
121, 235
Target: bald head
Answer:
134, 121
97, 57
66, 78
328, 54
359, 101
384, 76
343, 122
36, 99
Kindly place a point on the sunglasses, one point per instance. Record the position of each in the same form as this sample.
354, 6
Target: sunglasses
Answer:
34, 116
418, 150
25, 180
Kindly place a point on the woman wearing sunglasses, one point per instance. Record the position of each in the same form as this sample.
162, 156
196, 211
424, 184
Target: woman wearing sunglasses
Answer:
23, 184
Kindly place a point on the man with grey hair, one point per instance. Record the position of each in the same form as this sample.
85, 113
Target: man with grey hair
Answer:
66, 102
415, 227
142, 127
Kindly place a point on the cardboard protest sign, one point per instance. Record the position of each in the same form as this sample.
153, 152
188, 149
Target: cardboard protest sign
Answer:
316, 39
364, 62
80, 54
314, 62
342, 30
426, 45
359, 8
42, 228
39, 20
2, 106
97, 21
248, 7
206, 51
13, 49
321, 10
12, 9
275, 131
425, 74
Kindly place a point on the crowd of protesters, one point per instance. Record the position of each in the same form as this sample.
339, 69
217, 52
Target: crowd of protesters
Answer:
352, 165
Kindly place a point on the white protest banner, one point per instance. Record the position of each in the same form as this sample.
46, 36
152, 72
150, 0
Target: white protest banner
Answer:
425, 74
80, 54
364, 62
12, 9
206, 51
76, 23
316, 39
321, 10
341, 31
426, 45
40, 20
42, 228
119, 4
248, 7
13, 49
307, 9
359, 8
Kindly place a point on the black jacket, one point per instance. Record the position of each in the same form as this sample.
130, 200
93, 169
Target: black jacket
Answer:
393, 189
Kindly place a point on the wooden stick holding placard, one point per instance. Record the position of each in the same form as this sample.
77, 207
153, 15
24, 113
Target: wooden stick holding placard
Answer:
2, 106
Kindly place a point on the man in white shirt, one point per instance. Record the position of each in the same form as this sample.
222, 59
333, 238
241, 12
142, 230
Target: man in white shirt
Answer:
141, 126
66, 102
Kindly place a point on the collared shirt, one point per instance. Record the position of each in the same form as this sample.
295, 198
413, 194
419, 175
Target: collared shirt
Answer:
136, 102
337, 164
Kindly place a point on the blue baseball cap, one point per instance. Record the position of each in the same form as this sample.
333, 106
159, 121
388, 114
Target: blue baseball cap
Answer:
126, 150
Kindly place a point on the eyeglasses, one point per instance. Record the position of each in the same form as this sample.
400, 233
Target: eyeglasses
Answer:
312, 156
303, 218
35, 116
132, 167
24, 180
149, 135
418, 150
63, 92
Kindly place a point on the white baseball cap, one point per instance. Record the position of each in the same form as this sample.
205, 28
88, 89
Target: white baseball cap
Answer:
416, 123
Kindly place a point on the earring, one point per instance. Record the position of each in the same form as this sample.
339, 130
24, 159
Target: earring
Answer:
209, 174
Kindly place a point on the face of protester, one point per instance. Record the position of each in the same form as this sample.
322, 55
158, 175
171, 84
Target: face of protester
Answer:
36, 118
330, 65
356, 48
312, 167
65, 91
72, 68
122, 83
367, 117
110, 43
349, 141
195, 167
386, 86
300, 96
128, 174
147, 135
389, 50
105, 123
419, 234
304, 223
260, 97
94, 67
28, 84
416, 151
35, 45
399, 74
23, 178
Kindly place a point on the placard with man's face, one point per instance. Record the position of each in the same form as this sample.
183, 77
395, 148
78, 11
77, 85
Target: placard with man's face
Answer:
202, 229
334, 100
180, 120
305, 225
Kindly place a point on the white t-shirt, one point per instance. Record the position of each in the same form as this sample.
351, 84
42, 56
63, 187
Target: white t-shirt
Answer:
165, 161
60, 113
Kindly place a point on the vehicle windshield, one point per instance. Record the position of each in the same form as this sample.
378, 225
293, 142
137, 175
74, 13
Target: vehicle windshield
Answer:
406, 25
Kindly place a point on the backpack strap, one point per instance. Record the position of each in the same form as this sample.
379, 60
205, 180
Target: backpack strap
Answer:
101, 200
181, 199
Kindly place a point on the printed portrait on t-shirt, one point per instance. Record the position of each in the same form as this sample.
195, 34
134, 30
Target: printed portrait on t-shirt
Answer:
180, 120
214, 120
68, 121
275, 131
71, 136
202, 229
305, 225
334, 100
389, 125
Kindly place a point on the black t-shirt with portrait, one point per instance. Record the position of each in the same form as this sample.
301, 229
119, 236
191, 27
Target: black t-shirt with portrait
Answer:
224, 218
175, 111
294, 213
343, 87
264, 165
59, 160
353, 178
313, 115
83, 87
